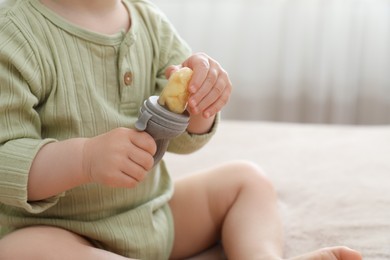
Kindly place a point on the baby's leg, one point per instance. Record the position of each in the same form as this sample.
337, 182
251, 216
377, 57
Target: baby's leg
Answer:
235, 201
50, 243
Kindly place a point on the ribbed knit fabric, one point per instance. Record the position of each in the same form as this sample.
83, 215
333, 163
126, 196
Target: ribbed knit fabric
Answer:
59, 81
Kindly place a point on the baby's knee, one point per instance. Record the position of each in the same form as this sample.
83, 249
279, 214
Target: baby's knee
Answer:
9, 249
39, 242
250, 175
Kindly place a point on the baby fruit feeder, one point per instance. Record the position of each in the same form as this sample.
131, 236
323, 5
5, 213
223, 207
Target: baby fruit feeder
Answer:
161, 124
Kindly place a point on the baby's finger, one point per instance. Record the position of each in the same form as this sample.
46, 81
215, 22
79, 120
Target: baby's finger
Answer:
217, 97
135, 171
211, 90
141, 158
145, 142
200, 65
171, 69
218, 104
204, 90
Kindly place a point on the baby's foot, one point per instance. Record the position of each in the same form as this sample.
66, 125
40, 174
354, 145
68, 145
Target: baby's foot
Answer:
331, 253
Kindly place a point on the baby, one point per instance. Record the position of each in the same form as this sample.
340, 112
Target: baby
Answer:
78, 181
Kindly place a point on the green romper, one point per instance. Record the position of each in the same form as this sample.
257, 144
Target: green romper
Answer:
59, 81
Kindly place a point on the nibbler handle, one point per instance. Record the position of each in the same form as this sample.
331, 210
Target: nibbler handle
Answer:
161, 124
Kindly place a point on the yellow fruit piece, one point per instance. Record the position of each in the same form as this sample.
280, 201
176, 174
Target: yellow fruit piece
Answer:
175, 94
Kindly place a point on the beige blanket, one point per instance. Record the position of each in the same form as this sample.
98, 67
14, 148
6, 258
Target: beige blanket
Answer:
333, 181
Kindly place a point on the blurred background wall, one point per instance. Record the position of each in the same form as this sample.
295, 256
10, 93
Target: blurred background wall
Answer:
309, 61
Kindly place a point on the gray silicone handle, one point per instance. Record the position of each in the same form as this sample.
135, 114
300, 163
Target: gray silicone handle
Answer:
161, 124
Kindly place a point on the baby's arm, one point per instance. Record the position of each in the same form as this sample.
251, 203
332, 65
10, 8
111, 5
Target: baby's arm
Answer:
119, 158
56, 168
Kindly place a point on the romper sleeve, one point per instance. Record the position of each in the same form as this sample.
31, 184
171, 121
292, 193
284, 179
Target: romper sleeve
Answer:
168, 47
21, 89
187, 143
171, 49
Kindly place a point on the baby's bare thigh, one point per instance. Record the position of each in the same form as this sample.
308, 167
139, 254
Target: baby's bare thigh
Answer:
200, 204
46, 242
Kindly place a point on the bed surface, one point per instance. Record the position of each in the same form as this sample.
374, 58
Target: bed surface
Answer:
333, 181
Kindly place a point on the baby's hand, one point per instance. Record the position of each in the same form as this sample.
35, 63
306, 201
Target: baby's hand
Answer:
119, 158
210, 86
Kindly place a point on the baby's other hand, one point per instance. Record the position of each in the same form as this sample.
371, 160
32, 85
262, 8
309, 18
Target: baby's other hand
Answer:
210, 86
119, 158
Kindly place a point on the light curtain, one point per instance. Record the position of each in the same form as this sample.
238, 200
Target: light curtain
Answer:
317, 61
